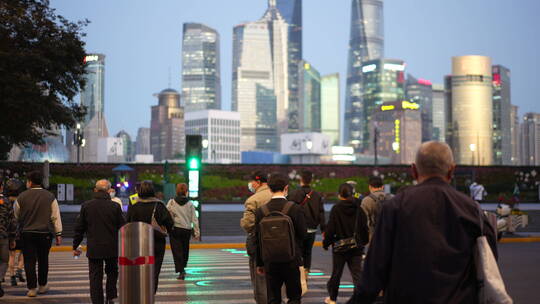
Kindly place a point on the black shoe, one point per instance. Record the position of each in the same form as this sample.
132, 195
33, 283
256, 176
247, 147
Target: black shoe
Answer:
110, 301
13, 281
181, 276
20, 276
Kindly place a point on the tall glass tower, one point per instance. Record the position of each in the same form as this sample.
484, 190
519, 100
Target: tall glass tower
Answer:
92, 96
366, 43
291, 10
310, 98
201, 81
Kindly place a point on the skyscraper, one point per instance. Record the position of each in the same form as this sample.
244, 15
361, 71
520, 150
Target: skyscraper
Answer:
439, 113
420, 91
309, 111
167, 134
143, 141
383, 81
472, 110
127, 146
366, 43
291, 10
515, 131
530, 140
502, 108
330, 107
260, 80
201, 78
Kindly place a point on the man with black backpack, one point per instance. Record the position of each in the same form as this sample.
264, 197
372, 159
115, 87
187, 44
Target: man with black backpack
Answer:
280, 229
313, 207
373, 202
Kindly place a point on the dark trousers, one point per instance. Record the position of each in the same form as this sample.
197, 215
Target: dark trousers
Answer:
96, 278
278, 274
353, 261
179, 239
159, 253
307, 247
36, 249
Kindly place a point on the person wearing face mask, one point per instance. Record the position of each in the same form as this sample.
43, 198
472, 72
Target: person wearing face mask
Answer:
261, 195
112, 194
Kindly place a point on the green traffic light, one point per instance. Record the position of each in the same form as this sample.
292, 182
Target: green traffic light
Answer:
193, 163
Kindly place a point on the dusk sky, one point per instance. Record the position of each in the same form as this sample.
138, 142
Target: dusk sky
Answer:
142, 42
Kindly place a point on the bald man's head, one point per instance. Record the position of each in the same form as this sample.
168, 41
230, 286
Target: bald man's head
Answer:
103, 185
434, 159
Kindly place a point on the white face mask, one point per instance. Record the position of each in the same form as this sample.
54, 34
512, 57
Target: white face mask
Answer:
112, 194
250, 187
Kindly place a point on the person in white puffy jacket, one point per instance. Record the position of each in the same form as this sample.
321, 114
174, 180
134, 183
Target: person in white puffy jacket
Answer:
186, 225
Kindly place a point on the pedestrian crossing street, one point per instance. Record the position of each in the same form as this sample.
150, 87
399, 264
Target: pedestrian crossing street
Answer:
214, 276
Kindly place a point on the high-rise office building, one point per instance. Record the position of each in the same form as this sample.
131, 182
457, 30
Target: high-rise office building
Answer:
439, 113
309, 111
167, 136
449, 135
201, 78
397, 125
127, 145
472, 110
420, 91
222, 131
143, 141
366, 43
502, 108
330, 107
260, 80
515, 131
383, 81
530, 140
291, 10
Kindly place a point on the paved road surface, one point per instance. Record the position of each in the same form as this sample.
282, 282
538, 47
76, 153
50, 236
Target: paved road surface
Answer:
221, 276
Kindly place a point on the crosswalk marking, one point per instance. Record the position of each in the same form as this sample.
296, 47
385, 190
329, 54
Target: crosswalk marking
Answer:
214, 277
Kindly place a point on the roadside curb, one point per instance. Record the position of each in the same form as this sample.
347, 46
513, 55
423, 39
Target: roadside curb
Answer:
317, 244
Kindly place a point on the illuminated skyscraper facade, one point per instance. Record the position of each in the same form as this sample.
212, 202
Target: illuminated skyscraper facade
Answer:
291, 10
330, 107
502, 108
310, 98
260, 80
201, 80
366, 43
472, 110
383, 81
420, 91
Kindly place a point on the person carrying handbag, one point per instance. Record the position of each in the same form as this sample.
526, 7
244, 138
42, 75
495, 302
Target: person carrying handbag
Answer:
151, 210
347, 233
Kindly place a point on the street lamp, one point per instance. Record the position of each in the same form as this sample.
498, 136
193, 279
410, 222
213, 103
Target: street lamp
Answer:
79, 141
472, 147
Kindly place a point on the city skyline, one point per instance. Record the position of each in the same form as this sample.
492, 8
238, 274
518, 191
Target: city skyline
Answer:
130, 38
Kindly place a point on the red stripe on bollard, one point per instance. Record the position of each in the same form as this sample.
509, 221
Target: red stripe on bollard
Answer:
144, 260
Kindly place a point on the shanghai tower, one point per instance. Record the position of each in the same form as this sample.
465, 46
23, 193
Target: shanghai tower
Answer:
366, 42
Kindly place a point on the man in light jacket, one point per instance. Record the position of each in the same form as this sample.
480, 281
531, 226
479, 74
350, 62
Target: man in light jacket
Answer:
261, 195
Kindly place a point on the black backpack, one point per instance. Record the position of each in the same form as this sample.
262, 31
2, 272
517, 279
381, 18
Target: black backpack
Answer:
276, 235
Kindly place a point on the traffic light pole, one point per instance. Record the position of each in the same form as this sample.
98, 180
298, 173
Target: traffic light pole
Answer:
193, 168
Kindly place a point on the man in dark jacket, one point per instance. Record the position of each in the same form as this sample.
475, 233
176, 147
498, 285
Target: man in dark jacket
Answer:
38, 215
100, 219
423, 245
313, 207
286, 273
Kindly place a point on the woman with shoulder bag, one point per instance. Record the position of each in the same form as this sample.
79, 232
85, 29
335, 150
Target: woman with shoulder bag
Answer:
152, 211
347, 233
186, 224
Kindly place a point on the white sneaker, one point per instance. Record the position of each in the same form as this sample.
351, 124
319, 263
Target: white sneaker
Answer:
43, 289
31, 293
328, 301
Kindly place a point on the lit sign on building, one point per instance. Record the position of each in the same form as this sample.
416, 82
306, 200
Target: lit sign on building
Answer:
394, 67
91, 58
342, 150
369, 68
307, 66
387, 108
424, 82
410, 105
397, 130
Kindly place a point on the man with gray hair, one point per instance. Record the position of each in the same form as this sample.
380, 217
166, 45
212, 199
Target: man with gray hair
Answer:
100, 219
422, 248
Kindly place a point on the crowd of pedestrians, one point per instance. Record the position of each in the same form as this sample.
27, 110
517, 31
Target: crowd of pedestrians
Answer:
423, 236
